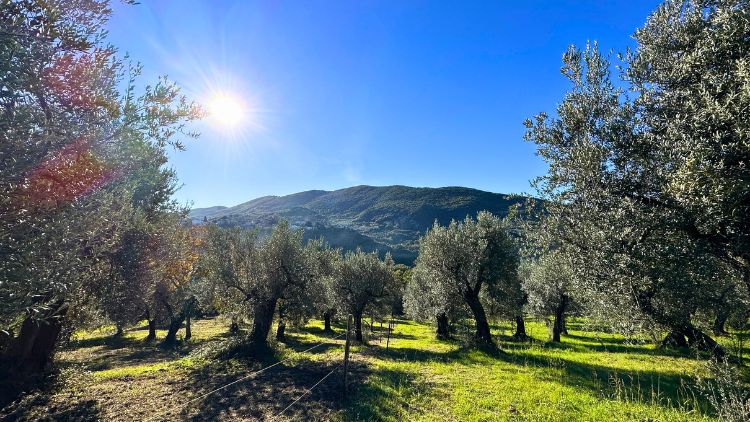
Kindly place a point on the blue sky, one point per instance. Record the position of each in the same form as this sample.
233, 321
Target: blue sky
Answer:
344, 93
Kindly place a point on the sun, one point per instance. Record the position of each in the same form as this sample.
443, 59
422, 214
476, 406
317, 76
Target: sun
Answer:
226, 110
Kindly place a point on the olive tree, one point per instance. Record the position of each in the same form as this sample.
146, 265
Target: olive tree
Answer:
175, 259
75, 140
461, 261
258, 277
305, 300
425, 302
637, 193
124, 297
363, 282
322, 300
548, 283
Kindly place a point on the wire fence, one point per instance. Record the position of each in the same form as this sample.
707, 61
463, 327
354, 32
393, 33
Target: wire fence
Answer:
306, 392
246, 377
391, 326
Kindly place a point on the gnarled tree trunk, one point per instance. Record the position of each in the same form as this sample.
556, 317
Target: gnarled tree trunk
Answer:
443, 330
675, 338
520, 333
689, 336
262, 321
188, 328
174, 326
32, 349
281, 327
719, 323
358, 326
280, 331
327, 321
483, 334
558, 324
151, 330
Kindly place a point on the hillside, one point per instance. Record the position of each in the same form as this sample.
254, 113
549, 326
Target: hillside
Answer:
384, 218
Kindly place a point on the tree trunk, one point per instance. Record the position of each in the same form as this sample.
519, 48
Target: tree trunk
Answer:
701, 341
520, 328
558, 325
174, 326
327, 321
282, 324
280, 331
689, 336
118, 331
234, 328
564, 325
32, 350
483, 334
358, 326
675, 338
188, 328
151, 330
719, 323
262, 321
443, 330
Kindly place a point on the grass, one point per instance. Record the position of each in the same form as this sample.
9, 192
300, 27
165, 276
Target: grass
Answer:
589, 376
584, 378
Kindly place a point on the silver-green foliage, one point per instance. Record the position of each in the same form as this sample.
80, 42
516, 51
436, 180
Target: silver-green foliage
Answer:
647, 188
81, 153
461, 264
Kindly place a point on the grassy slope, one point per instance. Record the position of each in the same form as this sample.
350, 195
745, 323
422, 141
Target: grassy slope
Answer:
591, 376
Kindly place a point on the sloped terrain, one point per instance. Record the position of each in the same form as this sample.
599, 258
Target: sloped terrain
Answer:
383, 218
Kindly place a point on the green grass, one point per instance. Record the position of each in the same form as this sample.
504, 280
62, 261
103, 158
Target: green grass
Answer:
590, 376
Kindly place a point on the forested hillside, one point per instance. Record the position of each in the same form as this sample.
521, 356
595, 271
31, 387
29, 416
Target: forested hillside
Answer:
383, 218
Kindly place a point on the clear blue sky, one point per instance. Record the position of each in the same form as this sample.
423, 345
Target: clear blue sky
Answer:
357, 92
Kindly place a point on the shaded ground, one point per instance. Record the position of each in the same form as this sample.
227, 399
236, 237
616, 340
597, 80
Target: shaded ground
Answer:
102, 377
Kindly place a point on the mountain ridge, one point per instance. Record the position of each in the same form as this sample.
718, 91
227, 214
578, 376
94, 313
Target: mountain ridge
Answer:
383, 218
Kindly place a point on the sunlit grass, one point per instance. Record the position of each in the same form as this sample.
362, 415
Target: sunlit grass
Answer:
147, 369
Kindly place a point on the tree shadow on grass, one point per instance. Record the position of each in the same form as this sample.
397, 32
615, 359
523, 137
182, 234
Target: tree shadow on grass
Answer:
113, 352
385, 395
36, 394
265, 395
119, 351
329, 341
665, 389
625, 348
600, 340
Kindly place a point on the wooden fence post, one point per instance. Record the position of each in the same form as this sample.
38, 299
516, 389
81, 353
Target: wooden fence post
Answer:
388, 340
346, 355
